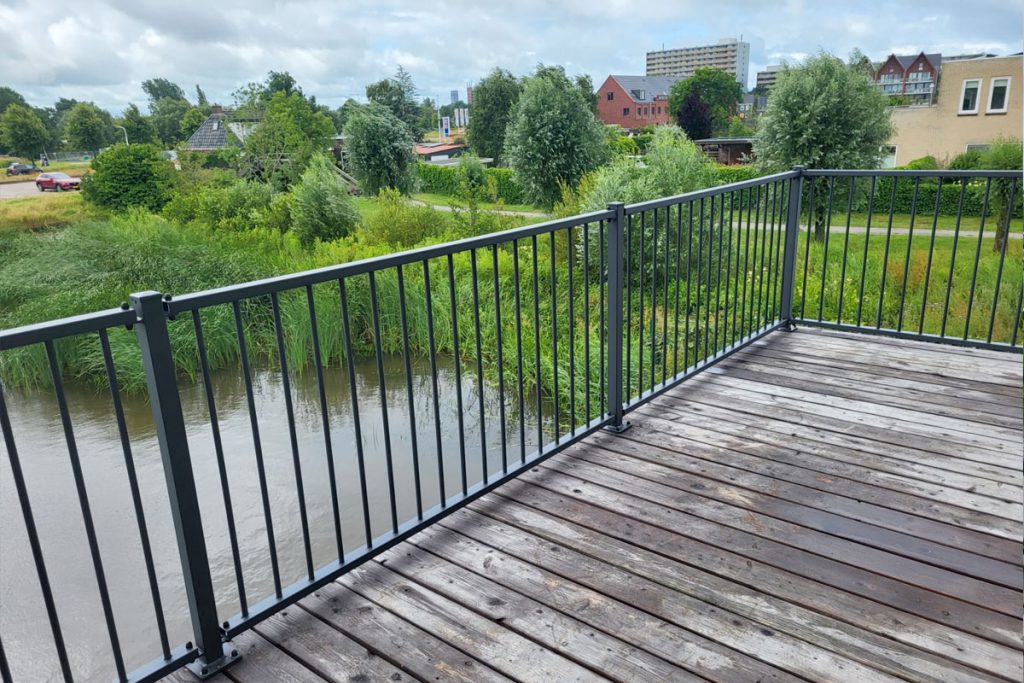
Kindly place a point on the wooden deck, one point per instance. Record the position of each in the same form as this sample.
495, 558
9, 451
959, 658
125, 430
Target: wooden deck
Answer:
816, 507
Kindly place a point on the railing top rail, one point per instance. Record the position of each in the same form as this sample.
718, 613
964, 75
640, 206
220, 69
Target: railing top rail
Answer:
911, 173
64, 327
707, 192
221, 295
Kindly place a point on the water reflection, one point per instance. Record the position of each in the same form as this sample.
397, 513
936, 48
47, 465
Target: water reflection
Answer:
40, 440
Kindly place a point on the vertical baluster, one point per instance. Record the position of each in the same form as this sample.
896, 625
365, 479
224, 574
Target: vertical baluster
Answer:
931, 252
554, 335
679, 255
885, 254
654, 297
906, 259
33, 539
808, 238
952, 256
325, 419
846, 247
864, 257
479, 365
536, 344
977, 256
689, 258
133, 485
718, 276
828, 239
243, 354
501, 359
588, 411
707, 289
615, 291
779, 219
5, 669
747, 274
729, 277
519, 350
1002, 258
378, 347
629, 305
428, 302
664, 302
1016, 319
571, 339
346, 333
410, 396
453, 304
700, 264
642, 317
601, 319
292, 435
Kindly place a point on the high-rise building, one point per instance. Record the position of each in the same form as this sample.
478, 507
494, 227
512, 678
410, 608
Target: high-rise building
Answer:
767, 78
730, 55
469, 94
455, 96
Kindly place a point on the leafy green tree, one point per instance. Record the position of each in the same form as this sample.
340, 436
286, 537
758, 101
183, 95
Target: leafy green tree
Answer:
87, 127
716, 88
9, 96
342, 114
128, 175
494, 98
399, 95
280, 147
1004, 154
139, 128
586, 86
21, 131
449, 109
167, 115
160, 88
201, 100
823, 114
695, 118
252, 98
428, 115
553, 137
738, 129
321, 206
380, 150
191, 121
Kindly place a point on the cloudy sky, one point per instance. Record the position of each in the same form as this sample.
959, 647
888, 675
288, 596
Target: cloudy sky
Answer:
102, 50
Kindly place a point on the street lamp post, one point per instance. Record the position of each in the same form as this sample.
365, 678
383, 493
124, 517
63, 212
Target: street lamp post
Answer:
125, 131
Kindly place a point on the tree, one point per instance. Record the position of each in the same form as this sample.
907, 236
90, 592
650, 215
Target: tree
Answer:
823, 114
399, 95
738, 129
201, 100
290, 133
342, 114
159, 88
321, 206
128, 175
380, 150
21, 131
716, 88
87, 127
586, 87
9, 96
252, 98
139, 128
553, 137
695, 118
191, 121
1004, 154
167, 116
494, 98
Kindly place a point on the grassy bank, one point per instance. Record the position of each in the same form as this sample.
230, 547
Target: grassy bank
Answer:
45, 210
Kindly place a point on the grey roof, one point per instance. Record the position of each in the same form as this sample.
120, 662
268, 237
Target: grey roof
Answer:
906, 60
213, 134
646, 88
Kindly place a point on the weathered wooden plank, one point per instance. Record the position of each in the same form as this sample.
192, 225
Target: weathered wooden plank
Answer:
554, 626
878, 382
846, 572
1000, 452
325, 650
951, 406
478, 637
880, 369
637, 444
736, 632
262, 662
776, 599
989, 480
915, 345
700, 432
418, 652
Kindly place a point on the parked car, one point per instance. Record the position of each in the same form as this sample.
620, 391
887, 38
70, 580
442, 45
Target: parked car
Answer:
57, 181
21, 169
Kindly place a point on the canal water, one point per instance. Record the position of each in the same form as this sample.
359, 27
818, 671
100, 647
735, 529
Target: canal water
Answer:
44, 456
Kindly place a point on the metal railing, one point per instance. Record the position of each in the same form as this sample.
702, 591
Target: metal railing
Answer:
570, 323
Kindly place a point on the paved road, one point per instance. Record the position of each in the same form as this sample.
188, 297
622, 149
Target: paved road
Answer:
12, 190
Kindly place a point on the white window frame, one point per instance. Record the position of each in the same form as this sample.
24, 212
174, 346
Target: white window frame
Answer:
991, 92
977, 100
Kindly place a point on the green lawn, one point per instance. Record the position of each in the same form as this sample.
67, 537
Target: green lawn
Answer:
44, 210
445, 200
921, 222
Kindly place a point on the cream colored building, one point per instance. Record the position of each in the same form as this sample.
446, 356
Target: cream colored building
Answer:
978, 101
729, 55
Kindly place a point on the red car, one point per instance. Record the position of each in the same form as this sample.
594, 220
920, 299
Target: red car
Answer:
57, 181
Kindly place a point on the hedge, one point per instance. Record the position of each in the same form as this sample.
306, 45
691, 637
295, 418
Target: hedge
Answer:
445, 180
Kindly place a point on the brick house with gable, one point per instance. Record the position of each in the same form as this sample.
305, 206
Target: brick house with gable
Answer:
912, 76
635, 101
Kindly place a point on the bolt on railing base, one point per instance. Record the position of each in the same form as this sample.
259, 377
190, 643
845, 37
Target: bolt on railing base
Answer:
788, 325
619, 428
202, 669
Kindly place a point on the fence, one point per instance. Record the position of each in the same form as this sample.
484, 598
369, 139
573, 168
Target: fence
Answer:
570, 324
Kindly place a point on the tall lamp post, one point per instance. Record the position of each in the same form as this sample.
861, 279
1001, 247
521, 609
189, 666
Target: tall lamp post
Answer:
125, 131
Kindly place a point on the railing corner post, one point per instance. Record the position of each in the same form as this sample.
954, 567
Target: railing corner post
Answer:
162, 384
616, 286
796, 184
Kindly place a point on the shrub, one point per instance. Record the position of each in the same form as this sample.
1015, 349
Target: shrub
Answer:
380, 150
321, 207
966, 161
223, 202
128, 175
402, 224
925, 163
445, 180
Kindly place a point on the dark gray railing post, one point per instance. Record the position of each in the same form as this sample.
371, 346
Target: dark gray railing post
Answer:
616, 286
162, 384
796, 186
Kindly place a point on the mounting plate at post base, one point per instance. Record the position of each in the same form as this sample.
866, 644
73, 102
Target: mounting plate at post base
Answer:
619, 428
204, 670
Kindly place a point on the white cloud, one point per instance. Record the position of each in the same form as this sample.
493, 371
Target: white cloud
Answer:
102, 50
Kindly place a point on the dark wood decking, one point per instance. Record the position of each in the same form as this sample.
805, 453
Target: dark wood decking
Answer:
818, 506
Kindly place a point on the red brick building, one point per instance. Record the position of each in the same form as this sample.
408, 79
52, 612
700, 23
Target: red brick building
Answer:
910, 76
635, 101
